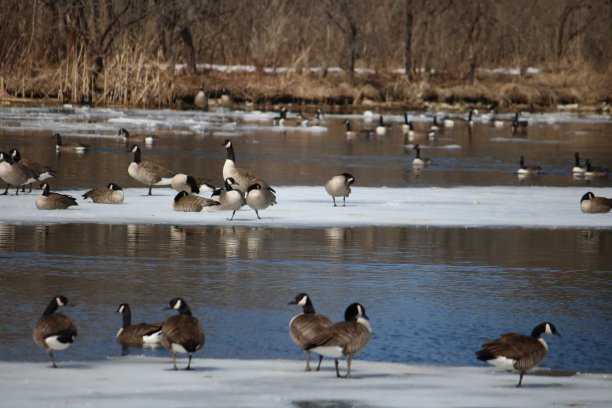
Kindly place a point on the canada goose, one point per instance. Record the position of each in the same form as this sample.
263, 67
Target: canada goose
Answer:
418, 160
470, 119
111, 194
591, 204
191, 184
345, 338
201, 100
54, 331
43, 172
527, 170
594, 171
147, 172
381, 129
280, 119
70, 147
125, 136
314, 120
137, 335
229, 198
15, 173
226, 100
53, 201
241, 177
303, 328
260, 198
578, 169
407, 128
340, 186
435, 126
518, 351
185, 202
495, 122
350, 134
518, 126
182, 333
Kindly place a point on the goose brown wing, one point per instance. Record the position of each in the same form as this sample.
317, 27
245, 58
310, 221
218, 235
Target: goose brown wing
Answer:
306, 327
351, 336
156, 168
515, 346
183, 330
52, 325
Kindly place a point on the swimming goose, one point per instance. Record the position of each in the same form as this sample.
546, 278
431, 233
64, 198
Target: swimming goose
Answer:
53, 201
280, 119
43, 172
418, 160
594, 171
350, 134
304, 327
229, 198
591, 204
111, 194
125, 136
137, 335
260, 198
241, 177
54, 331
15, 173
344, 339
407, 128
201, 100
578, 169
518, 126
381, 129
191, 184
185, 202
70, 147
339, 186
147, 172
470, 119
518, 351
182, 333
527, 170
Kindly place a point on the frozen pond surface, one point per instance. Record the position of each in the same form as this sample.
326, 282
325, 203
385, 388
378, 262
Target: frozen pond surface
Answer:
443, 259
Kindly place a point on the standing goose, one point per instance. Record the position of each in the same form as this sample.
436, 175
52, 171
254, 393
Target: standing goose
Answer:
594, 171
70, 147
201, 100
137, 335
182, 333
470, 119
340, 186
518, 351
419, 161
40, 170
191, 184
344, 339
147, 172
226, 100
591, 204
185, 202
260, 198
229, 198
303, 328
111, 194
527, 170
242, 177
407, 129
578, 169
15, 173
53, 201
54, 331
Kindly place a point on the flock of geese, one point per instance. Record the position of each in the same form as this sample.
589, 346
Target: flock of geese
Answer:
309, 330
240, 186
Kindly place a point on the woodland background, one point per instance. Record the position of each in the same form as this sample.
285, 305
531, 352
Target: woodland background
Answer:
394, 53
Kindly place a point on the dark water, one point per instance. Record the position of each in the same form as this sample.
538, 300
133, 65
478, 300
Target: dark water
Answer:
433, 294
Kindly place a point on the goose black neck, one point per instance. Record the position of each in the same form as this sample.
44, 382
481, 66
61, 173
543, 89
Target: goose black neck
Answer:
58, 139
46, 191
137, 156
577, 157
522, 162
308, 307
127, 316
230, 153
538, 330
185, 310
418, 152
51, 308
